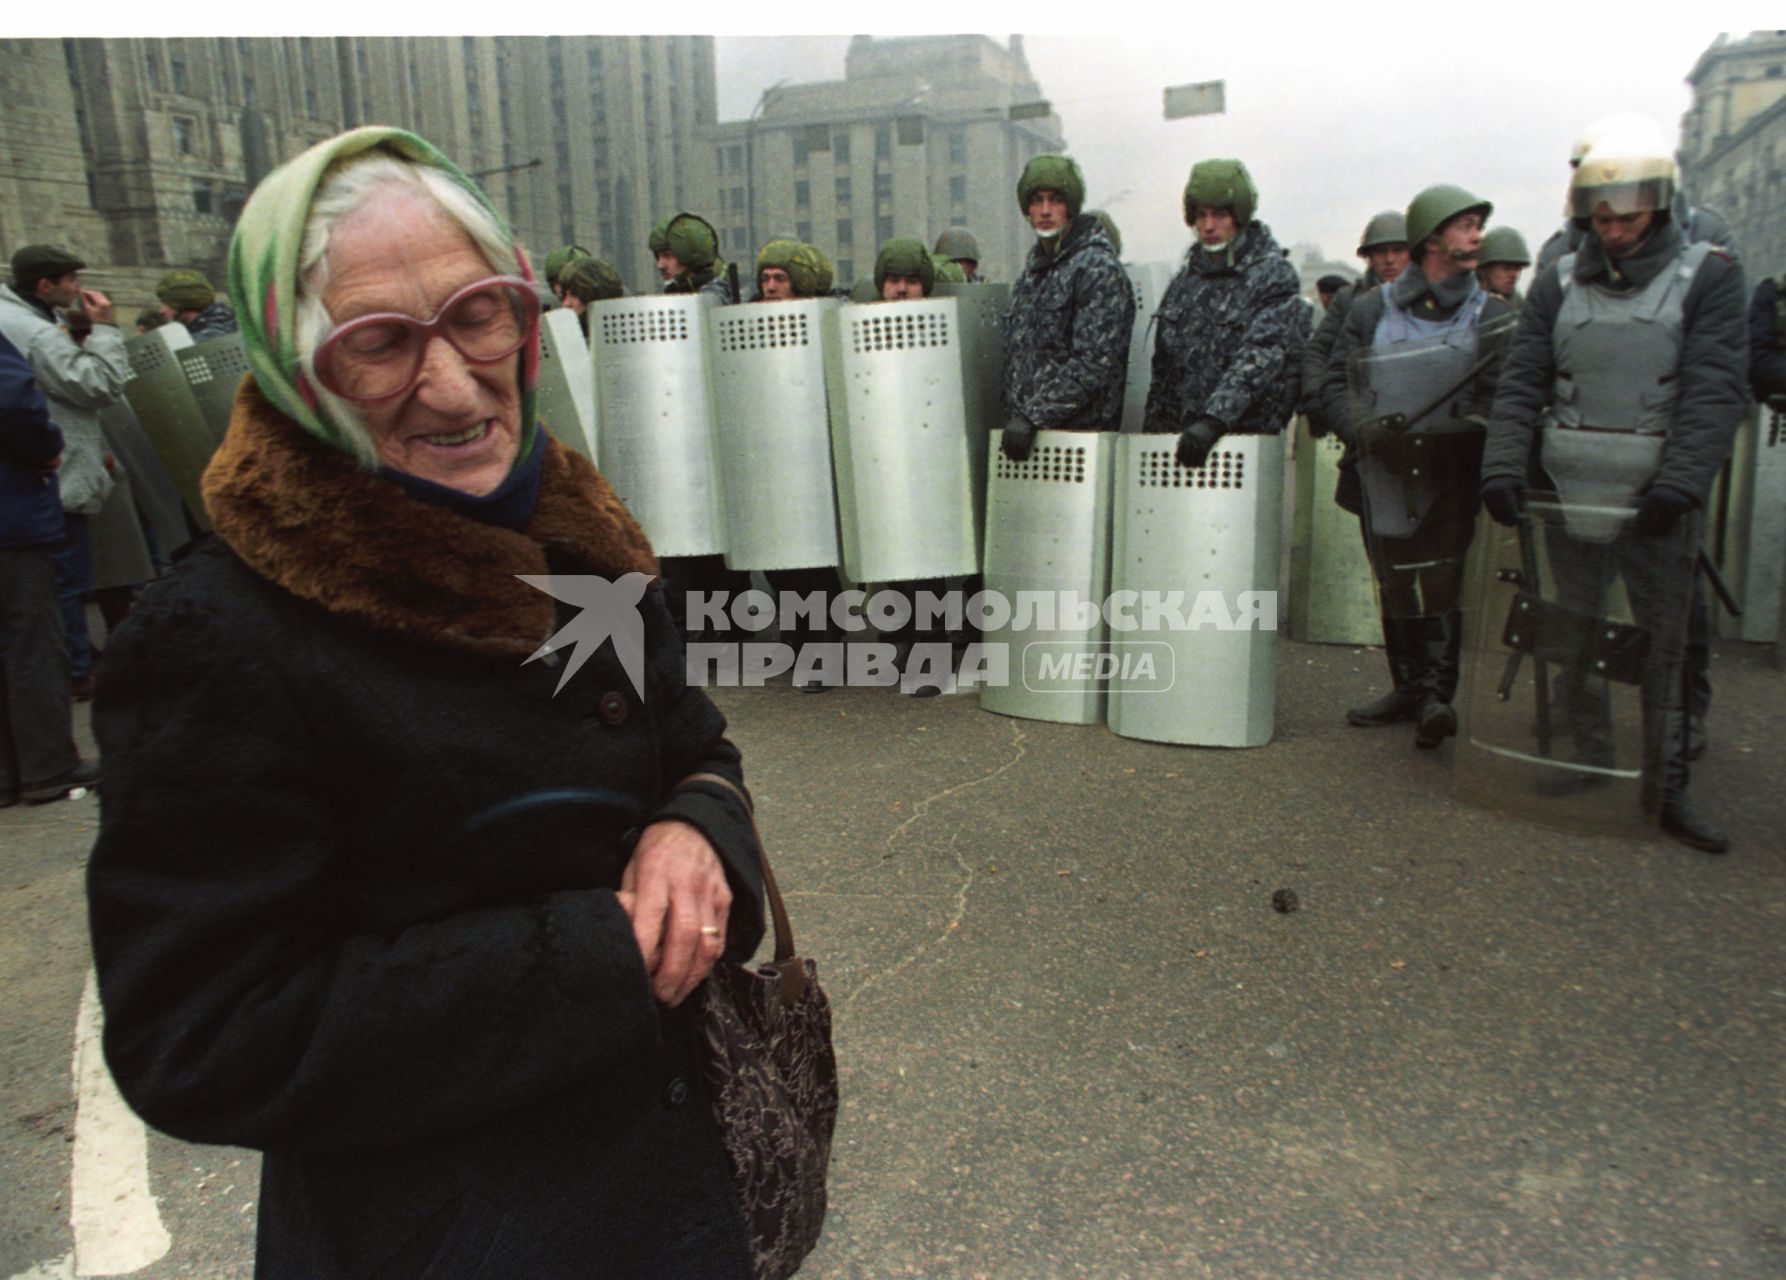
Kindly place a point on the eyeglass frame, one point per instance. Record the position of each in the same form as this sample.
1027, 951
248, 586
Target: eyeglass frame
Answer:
321, 360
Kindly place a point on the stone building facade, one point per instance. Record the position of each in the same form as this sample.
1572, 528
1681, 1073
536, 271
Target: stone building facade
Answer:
1733, 143
922, 133
138, 153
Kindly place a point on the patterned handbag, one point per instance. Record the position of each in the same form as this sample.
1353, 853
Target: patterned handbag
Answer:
773, 1078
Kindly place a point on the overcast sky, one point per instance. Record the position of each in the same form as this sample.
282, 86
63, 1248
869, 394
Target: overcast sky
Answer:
1329, 138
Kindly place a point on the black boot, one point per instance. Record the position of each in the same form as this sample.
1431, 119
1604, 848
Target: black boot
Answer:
1583, 711
1442, 637
1401, 645
1680, 821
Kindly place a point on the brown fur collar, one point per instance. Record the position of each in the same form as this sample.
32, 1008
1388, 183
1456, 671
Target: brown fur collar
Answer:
310, 519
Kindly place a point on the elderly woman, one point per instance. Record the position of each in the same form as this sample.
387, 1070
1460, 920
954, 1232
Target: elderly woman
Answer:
375, 892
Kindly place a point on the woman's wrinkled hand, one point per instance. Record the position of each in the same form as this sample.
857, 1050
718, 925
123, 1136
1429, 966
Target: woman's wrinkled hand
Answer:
675, 891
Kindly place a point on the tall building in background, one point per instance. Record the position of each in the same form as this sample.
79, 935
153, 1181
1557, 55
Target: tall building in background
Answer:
922, 133
1733, 143
138, 154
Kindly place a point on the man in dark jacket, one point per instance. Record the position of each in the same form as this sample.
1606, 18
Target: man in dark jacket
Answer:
1072, 309
1384, 248
1660, 376
38, 757
188, 297
1433, 328
1231, 324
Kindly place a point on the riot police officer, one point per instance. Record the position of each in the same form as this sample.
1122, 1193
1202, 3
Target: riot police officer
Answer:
1072, 310
1384, 248
1503, 259
1626, 379
1411, 376
586, 279
560, 258
959, 246
1231, 330
689, 260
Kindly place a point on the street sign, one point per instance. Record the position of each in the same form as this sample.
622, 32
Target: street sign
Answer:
1206, 99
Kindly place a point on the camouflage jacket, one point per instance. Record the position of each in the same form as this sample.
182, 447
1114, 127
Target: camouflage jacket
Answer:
1230, 339
1067, 333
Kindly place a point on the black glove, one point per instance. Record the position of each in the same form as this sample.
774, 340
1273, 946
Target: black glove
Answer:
1019, 439
1505, 498
1661, 509
1777, 403
1195, 442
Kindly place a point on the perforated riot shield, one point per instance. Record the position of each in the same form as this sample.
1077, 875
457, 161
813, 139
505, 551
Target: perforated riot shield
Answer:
1575, 665
1048, 522
1201, 546
774, 436
654, 388
1332, 597
156, 496
899, 442
566, 382
980, 313
1150, 281
1750, 541
214, 370
162, 399
1419, 465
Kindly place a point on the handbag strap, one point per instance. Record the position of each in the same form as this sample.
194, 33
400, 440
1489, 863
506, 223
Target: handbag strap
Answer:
787, 964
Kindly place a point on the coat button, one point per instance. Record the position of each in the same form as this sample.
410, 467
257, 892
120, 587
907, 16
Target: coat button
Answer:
676, 1092
612, 707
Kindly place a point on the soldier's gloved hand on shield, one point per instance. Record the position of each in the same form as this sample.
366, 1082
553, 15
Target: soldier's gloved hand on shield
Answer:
1505, 498
1661, 509
1195, 442
1019, 438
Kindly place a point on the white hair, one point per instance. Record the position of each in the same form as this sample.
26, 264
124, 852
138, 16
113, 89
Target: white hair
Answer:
348, 186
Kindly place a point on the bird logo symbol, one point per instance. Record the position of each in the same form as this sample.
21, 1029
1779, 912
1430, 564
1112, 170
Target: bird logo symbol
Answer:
609, 612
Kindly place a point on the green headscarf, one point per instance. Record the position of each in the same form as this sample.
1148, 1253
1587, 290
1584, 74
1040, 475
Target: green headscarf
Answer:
263, 274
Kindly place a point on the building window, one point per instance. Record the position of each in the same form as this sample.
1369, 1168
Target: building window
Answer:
152, 64
736, 153
883, 186
911, 131
883, 142
719, 159
737, 199
843, 191
958, 146
183, 131
840, 148
958, 190
883, 230
182, 82
802, 194
846, 233
201, 197
600, 146
846, 270
800, 148
803, 232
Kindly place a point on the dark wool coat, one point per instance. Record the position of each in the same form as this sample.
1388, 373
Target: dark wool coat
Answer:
30, 503
1714, 362
325, 926
1067, 333
1230, 333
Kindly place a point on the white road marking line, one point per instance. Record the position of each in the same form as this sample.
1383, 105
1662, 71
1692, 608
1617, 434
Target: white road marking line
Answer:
117, 1227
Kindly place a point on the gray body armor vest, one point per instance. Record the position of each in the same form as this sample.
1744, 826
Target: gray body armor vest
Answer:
1617, 385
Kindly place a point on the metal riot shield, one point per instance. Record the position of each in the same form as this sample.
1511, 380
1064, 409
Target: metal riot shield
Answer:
1575, 666
1150, 281
214, 370
566, 382
1333, 599
774, 434
980, 311
156, 496
1419, 466
1193, 604
899, 441
1048, 522
654, 386
1750, 543
162, 399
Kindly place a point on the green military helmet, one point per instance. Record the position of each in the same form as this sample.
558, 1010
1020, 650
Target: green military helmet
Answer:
1436, 206
693, 240
778, 253
660, 236
946, 270
184, 289
1109, 225
958, 243
591, 280
1503, 244
1386, 228
560, 258
1221, 184
810, 262
905, 256
1052, 173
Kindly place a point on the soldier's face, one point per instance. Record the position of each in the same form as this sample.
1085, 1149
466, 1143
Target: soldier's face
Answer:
571, 301
1387, 260
1215, 227
775, 285
1461, 239
1621, 233
897, 288
669, 266
1500, 277
1047, 210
